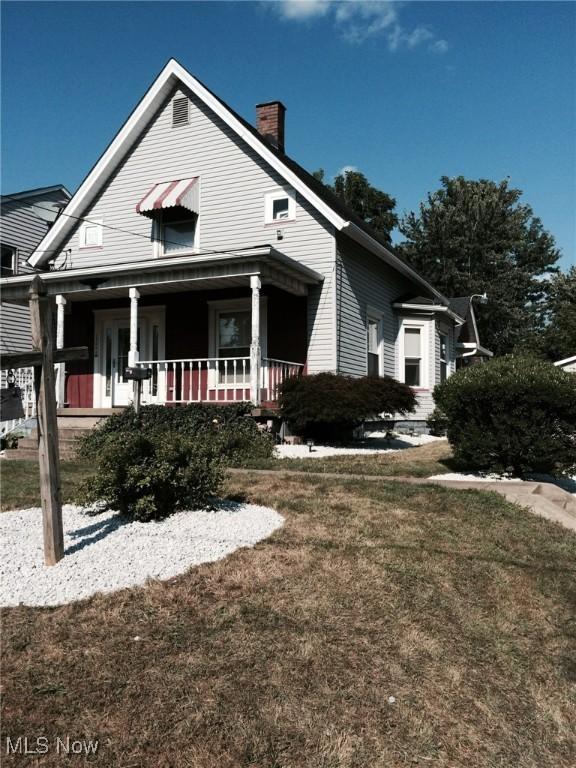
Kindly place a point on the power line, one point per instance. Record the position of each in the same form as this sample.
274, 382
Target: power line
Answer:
100, 224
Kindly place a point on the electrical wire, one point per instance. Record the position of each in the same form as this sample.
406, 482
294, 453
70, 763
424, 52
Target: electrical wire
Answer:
108, 226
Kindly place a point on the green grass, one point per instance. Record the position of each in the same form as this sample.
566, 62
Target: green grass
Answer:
458, 604
20, 482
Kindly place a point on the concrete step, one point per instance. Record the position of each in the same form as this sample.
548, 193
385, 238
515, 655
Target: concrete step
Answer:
87, 412
64, 432
18, 454
78, 422
63, 442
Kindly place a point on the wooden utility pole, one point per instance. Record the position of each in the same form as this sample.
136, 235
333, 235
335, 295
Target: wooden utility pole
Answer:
48, 457
42, 357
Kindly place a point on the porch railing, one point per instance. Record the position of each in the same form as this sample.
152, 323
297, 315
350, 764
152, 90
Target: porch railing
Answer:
213, 379
24, 380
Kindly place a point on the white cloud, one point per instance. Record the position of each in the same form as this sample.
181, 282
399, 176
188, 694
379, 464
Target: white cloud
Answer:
302, 9
358, 20
345, 169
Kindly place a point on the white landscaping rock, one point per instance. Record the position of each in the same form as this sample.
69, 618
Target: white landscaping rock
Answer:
374, 443
105, 552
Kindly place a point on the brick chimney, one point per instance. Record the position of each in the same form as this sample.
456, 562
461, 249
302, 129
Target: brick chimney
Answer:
270, 122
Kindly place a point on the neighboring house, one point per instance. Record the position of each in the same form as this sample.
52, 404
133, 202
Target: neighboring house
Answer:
198, 248
25, 218
469, 350
568, 364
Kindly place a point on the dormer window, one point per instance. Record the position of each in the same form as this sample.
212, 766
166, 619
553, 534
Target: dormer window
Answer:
279, 206
90, 234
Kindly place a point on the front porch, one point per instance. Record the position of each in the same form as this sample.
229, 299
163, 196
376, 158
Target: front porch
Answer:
224, 328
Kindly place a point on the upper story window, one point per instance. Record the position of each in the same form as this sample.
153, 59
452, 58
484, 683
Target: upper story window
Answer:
279, 206
178, 230
173, 207
90, 234
9, 261
443, 356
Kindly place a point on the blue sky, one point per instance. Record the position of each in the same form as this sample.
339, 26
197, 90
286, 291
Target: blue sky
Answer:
405, 92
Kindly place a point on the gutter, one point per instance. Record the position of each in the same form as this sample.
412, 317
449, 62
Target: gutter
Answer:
432, 309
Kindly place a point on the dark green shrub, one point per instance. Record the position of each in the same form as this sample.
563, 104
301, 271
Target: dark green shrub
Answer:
149, 476
511, 414
327, 406
437, 422
231, 430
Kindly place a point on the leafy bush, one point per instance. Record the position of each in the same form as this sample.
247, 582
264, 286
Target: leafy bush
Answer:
327, 406
511, 414
437, 422
149, 476
231, 430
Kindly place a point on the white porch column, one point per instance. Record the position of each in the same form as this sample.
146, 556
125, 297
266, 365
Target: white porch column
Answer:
255, 347
60, 367
133, 353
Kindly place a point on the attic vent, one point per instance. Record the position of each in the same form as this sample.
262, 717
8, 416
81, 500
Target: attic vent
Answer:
180, 111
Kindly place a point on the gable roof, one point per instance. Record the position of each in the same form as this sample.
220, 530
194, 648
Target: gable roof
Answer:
38, 192
321, 198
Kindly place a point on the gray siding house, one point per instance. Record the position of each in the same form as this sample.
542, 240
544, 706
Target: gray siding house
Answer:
197, 247
25, 218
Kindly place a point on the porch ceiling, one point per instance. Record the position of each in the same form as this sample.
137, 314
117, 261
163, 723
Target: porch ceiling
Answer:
170, 275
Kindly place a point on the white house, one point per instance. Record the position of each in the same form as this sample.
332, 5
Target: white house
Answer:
196, 246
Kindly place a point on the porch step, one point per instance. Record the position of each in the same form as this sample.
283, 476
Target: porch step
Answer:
83, 423
18, 454
88, 411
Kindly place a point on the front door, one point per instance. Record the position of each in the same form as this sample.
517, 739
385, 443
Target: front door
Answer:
112, 344
121, 388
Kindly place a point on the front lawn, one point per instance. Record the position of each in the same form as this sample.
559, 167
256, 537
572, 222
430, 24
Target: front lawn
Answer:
384, 625
421, 461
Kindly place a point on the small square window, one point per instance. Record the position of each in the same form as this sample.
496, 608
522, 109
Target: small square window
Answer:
179, 235
90, 235
279, 206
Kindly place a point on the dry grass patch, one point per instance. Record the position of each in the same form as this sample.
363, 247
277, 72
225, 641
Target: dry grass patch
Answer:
456, 603
421, 461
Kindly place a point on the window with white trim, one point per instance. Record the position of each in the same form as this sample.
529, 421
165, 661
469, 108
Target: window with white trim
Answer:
279, 206
9, 261
178, 231
413, 346
373, 346
90, 234
443, 356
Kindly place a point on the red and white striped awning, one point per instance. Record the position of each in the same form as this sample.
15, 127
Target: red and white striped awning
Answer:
169, 194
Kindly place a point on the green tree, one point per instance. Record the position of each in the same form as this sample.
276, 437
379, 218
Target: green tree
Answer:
475, 236
372, 205
558, 337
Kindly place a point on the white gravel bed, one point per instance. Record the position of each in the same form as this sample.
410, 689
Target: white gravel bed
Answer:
374, 443
566, 483
105, 552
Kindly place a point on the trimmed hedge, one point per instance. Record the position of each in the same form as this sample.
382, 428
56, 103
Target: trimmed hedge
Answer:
513, 414
230, 429
326, 406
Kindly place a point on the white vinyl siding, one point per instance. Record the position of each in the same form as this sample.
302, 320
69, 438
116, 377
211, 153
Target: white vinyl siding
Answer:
234, 181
